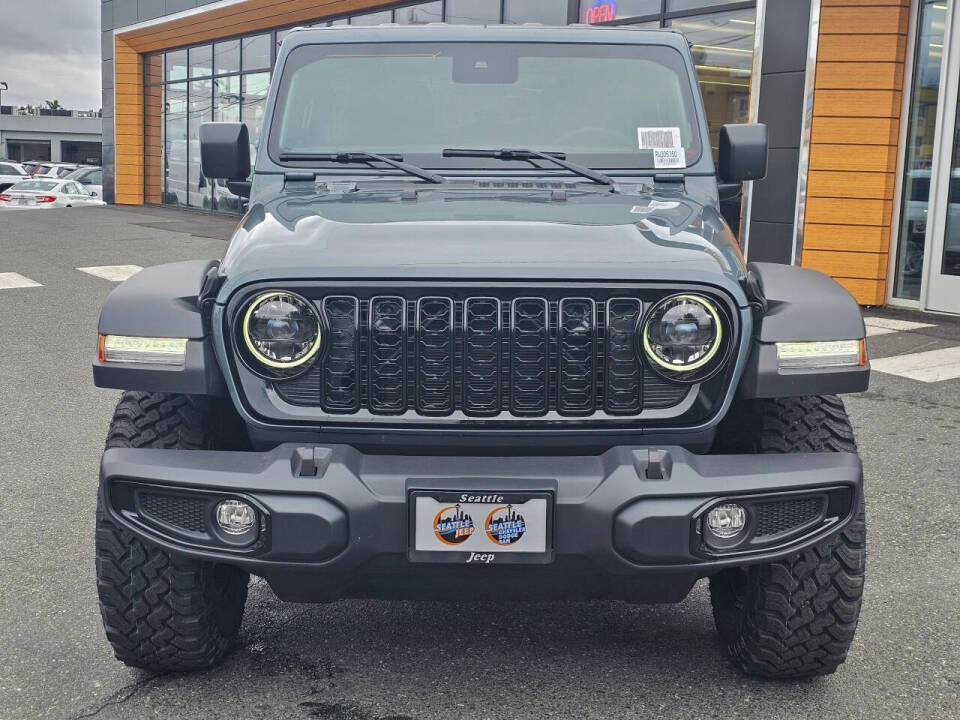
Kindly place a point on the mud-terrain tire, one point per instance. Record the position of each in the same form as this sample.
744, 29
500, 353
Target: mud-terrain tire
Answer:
794, 618
160, 611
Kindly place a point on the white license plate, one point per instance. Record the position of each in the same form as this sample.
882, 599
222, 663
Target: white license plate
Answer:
480, 527
24, 201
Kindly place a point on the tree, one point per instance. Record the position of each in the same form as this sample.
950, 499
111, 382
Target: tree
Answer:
53, 104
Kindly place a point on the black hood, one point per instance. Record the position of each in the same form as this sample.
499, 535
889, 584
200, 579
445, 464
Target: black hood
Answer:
485, 232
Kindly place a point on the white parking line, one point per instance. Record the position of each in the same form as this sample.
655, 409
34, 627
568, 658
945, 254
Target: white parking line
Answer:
883, 326
115, 273
930, 366
12, 280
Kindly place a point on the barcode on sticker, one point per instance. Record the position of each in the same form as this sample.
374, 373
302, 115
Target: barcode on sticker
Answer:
654, 138
668, 158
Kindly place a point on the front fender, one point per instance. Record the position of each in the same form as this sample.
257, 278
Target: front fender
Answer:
801, 305
162, 301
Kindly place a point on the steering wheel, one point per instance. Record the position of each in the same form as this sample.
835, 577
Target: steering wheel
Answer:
586, 133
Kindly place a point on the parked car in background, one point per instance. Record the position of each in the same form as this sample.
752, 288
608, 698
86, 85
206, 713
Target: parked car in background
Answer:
10, 174
53, 170
40, 193
90, 177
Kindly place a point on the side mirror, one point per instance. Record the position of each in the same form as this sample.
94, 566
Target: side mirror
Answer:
743, 152
93, 193
225, 151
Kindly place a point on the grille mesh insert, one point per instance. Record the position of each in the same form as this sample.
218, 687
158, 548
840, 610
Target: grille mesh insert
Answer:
182, 512
779, 516
481, 356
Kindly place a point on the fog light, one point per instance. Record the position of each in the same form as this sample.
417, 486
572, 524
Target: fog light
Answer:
726, 521
235, 517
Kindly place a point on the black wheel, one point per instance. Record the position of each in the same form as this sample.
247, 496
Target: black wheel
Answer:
794, 618
161, 611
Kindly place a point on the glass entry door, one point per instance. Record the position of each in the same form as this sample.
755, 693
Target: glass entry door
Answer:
944, 271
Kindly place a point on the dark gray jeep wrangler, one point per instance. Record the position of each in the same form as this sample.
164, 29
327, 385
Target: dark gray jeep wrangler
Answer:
482, 333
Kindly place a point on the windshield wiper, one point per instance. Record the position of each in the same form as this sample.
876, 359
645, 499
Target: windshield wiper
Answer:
364, 157
556, 158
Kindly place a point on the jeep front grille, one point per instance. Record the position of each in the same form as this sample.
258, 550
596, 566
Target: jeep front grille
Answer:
482, 356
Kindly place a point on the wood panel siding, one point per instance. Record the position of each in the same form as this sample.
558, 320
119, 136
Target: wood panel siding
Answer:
128, 122
858, 89
138, 135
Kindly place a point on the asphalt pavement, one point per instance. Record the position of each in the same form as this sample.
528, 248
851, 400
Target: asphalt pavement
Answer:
372, 660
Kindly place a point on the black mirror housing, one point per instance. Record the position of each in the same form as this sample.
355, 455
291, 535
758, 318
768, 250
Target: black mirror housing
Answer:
225, 151
743, 152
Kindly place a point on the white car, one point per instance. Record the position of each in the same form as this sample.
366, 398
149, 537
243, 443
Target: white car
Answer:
54, 170
90, 177
10, 174
40, 193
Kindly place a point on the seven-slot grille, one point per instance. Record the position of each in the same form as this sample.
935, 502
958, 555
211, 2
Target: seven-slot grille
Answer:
482, 356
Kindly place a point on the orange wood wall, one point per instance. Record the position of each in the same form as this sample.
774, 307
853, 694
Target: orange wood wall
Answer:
129, 120
853, 146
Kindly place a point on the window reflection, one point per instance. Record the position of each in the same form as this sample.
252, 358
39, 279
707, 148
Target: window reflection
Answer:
176, 63
175, 144
256, 52
226, 57
950, 264
548, 12
722, 45
473, 12
374, 18
201, 61
419, 14
200, 110
919, 150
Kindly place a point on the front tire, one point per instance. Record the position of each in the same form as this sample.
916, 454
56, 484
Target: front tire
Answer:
793, 618
161, 611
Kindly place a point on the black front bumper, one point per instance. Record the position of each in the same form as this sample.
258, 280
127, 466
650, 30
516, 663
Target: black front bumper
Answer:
335, 522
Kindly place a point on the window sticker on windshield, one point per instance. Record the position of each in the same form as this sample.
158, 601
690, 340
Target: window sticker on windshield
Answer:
666, 158
665, 144
659, 138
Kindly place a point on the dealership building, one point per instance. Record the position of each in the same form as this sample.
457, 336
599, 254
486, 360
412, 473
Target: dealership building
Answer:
860, 97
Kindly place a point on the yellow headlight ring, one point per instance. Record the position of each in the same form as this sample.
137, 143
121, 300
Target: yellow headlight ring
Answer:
704, 302
258, 355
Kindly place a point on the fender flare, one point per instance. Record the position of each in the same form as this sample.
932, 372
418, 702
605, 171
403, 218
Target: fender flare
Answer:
799, 304
163, 301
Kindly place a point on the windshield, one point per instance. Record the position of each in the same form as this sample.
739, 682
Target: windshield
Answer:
602, 105
33, 185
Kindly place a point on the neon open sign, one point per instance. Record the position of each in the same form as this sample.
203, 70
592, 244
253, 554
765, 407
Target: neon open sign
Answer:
600, 12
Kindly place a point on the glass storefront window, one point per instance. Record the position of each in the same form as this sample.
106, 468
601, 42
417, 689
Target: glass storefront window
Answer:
473, 12
226, 99
723, 54
201, 61
175, 144
548, 12
253, 103
176, 63
919, 150
374, 18
256, 53
600, 11
226, 57
419, 14
200, 110
681, 5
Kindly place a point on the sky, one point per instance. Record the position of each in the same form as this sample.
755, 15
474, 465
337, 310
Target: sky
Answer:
50, 50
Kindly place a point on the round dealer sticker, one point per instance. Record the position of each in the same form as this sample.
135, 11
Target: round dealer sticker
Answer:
504, 525
452, 525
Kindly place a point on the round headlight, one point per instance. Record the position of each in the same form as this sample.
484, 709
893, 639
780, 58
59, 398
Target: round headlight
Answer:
281, 331
682, 334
